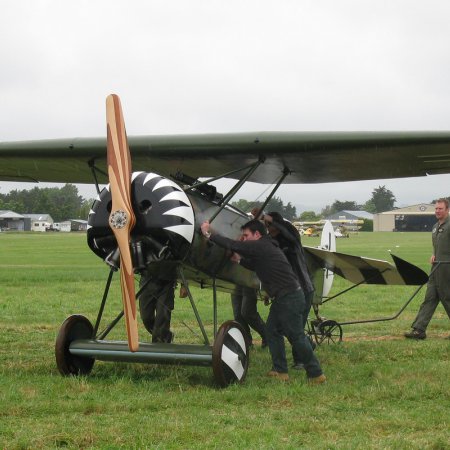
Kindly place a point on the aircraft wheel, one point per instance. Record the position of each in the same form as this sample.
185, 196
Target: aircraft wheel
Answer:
230, 354
73, 328
330, 332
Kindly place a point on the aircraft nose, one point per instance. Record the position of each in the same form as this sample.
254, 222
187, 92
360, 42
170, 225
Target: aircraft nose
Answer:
164, 221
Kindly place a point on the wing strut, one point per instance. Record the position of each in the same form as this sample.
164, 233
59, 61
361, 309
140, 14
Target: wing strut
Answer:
235, 188
286, 172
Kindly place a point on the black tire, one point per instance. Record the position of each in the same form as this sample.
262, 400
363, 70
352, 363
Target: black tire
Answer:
230, 354
73, 328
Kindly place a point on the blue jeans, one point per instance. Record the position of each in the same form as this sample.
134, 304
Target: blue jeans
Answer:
287, 318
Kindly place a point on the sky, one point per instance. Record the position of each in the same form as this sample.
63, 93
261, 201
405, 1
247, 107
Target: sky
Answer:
203, 66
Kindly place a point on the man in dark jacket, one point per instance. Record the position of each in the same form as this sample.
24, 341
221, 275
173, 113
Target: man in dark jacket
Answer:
288, 239
259, 252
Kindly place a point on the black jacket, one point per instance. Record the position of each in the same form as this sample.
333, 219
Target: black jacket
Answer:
289, 241
265, 257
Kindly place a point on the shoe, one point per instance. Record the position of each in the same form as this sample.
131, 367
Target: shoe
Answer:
278, 375
415, 334
317, 380
298, 366
183, 291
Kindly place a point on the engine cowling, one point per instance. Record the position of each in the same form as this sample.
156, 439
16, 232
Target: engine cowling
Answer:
164, 222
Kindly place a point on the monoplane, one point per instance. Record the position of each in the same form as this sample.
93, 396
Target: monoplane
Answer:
151, 219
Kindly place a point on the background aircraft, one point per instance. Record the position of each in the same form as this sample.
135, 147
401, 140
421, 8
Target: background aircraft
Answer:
151, 219
341, 227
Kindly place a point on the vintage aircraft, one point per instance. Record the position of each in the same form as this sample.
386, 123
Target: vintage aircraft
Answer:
151, 219
341, 227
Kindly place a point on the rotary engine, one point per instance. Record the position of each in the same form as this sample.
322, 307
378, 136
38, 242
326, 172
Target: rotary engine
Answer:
164, 227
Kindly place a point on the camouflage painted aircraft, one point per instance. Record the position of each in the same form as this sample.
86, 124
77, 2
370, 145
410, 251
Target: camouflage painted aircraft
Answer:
151, 219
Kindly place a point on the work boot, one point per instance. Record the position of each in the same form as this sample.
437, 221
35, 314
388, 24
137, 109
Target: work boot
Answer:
278, 375
415, 334
317, 380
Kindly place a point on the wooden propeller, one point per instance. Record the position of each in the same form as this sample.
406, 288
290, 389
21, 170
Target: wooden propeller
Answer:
122, 218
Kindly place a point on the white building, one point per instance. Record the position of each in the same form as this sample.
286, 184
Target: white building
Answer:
62, 226
39, 222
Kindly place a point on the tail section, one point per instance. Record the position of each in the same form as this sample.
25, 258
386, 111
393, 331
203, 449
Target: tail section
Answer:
327, 242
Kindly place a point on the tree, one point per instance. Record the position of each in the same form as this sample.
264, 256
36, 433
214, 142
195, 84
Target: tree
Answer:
245, 205
85, 207
275, 204
65, 202
340, 206
309, 216
369, 206
383, 199
61, 203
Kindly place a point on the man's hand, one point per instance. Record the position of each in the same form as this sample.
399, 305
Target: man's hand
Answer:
235, 257
432, 259
205, 227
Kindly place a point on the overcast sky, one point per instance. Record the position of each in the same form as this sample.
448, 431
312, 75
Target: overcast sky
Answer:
230, 66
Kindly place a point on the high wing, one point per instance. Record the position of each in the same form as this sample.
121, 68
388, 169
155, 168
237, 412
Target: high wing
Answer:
359, 269
307, 157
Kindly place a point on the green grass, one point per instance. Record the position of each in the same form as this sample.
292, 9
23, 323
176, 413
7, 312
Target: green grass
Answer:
382, 392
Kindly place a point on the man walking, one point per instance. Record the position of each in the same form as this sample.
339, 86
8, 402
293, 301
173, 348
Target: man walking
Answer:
438, 287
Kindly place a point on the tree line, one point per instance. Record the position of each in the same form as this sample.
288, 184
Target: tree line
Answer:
61, 203
382, 199
65, 203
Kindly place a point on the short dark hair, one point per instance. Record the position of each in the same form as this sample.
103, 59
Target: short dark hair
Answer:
254, 226
276, 216
444, 201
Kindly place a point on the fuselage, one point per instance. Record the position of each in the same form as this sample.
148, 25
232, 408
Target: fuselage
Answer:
167, 232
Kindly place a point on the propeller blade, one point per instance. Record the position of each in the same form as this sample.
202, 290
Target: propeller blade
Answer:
122, 218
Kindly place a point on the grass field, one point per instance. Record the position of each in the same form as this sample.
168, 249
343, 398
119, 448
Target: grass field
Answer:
382, 391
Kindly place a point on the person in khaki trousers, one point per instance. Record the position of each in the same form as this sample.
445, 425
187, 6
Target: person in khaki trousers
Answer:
438, 287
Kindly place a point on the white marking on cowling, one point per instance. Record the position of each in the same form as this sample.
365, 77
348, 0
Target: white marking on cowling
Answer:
185, 231
166, 183
149, 177
176, 195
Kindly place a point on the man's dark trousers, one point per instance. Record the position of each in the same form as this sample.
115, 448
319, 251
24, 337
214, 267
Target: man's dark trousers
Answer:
286, 318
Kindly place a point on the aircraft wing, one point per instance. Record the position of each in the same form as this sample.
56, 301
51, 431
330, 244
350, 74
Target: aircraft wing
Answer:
308, 157
359, 269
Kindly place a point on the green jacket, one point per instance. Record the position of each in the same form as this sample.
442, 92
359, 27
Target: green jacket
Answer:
441, 246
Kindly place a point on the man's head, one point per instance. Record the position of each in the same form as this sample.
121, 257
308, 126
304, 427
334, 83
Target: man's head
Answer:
271, 220
256, 212
253, 230
441, 209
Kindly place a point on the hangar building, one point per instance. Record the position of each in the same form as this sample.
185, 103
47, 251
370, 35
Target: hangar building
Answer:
411, 218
